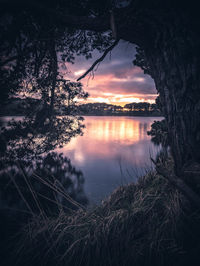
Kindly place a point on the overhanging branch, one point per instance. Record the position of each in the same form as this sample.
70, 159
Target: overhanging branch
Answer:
99, 60
99, 24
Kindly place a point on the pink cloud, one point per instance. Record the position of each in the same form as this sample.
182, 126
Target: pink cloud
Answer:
115, 81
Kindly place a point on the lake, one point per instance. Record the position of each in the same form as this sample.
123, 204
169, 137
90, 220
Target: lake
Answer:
113, 151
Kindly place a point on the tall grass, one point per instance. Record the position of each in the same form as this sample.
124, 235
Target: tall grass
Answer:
146, 223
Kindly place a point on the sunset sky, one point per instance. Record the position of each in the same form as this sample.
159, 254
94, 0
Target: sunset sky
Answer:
116, 81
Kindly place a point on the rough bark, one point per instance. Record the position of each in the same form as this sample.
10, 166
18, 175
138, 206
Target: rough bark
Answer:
175, 69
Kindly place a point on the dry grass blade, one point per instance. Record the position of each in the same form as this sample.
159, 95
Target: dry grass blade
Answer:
137, 222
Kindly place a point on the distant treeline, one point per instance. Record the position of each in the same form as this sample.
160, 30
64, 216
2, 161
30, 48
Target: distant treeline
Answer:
143, 108
18, 106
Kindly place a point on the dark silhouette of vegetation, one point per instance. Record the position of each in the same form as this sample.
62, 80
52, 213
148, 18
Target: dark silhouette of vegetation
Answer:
143, 108
159, 133
45, 34
37, 136
18, 106
110, 109
147, 223
99, 109
138, 106
44, 186
156, 221
34, 183
35, 48
47, 186
33, 179
140, 109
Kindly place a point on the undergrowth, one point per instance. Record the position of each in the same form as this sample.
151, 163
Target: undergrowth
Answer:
147, 223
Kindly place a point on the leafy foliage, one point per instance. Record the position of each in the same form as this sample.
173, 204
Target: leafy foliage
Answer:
140, 61
40, 186
143, 106
35, 49
31, 137
159, 133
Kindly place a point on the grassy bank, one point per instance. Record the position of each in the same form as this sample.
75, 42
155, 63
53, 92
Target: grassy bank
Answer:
148, 223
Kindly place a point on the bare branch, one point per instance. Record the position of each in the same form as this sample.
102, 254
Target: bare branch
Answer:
99, 60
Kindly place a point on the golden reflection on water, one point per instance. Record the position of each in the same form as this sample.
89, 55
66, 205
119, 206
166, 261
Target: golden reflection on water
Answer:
112, 151
115, 130
108, 136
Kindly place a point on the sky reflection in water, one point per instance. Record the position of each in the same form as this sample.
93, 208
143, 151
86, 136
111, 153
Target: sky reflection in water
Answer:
113, 151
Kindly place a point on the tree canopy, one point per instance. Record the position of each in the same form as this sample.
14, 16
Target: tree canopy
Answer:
38, 37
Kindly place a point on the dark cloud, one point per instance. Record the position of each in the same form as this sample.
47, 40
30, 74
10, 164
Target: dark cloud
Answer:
116, 74
133, 87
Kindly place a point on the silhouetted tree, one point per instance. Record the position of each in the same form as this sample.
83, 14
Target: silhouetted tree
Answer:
43, 186
142, 106
167, 36
47, 186
159, 133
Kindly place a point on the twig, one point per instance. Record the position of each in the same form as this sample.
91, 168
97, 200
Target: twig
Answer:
99, 60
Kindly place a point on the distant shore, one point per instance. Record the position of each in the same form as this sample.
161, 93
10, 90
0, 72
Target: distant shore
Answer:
22, 107
141, 115
121, 114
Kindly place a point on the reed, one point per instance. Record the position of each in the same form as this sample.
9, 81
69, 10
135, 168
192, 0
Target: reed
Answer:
147, 223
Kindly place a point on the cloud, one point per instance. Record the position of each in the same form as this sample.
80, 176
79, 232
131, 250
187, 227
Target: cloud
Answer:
79, 72
116, 75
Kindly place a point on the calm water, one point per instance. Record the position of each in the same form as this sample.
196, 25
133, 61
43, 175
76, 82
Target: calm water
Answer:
113, 151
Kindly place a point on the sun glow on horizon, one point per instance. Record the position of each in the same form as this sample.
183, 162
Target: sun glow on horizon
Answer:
79, 72
120, 88
121, 100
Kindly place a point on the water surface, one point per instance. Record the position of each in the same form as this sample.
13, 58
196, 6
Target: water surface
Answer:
113, 151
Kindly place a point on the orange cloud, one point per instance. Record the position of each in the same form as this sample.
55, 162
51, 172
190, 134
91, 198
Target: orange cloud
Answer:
115, 81
105, 88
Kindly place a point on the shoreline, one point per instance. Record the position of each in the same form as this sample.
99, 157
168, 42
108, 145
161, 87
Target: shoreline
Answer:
123, 115
135, 223
135, 115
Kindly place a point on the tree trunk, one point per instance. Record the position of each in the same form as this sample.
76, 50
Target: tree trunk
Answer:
175, 65
54, 70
